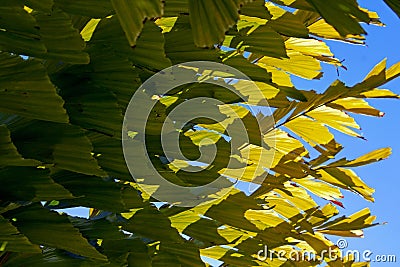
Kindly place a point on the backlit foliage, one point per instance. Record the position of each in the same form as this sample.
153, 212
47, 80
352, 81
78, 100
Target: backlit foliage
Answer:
67, 72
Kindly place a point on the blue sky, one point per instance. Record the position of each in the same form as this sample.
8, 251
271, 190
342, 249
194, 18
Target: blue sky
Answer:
382, 42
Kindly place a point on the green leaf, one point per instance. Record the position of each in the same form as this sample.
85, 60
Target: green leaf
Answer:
346, 179
29, 183
12, 240
312, 132
336, 119
344, 233
151, 223
311, 47
371, 157
265, 41
227, 256
148, 52
97, 229
110, 156
110, 68
231, 211
256, 8
69, 44
320, 189
317, 242
52, 229
284, 143
293, 93
378, 76
187, 254
87, 31
25, 89
180, 45
89, 8
79, 50
20, 31
50, 257
253, 71
297, 63
324, 214
355, 105
42, 5
63, 145
90, 104
342, 15
95, 192
208, 29
359, 220
10, 155
205, 230
127, 252
175, 7
132, 13
286, 23
300, 4
380, 93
